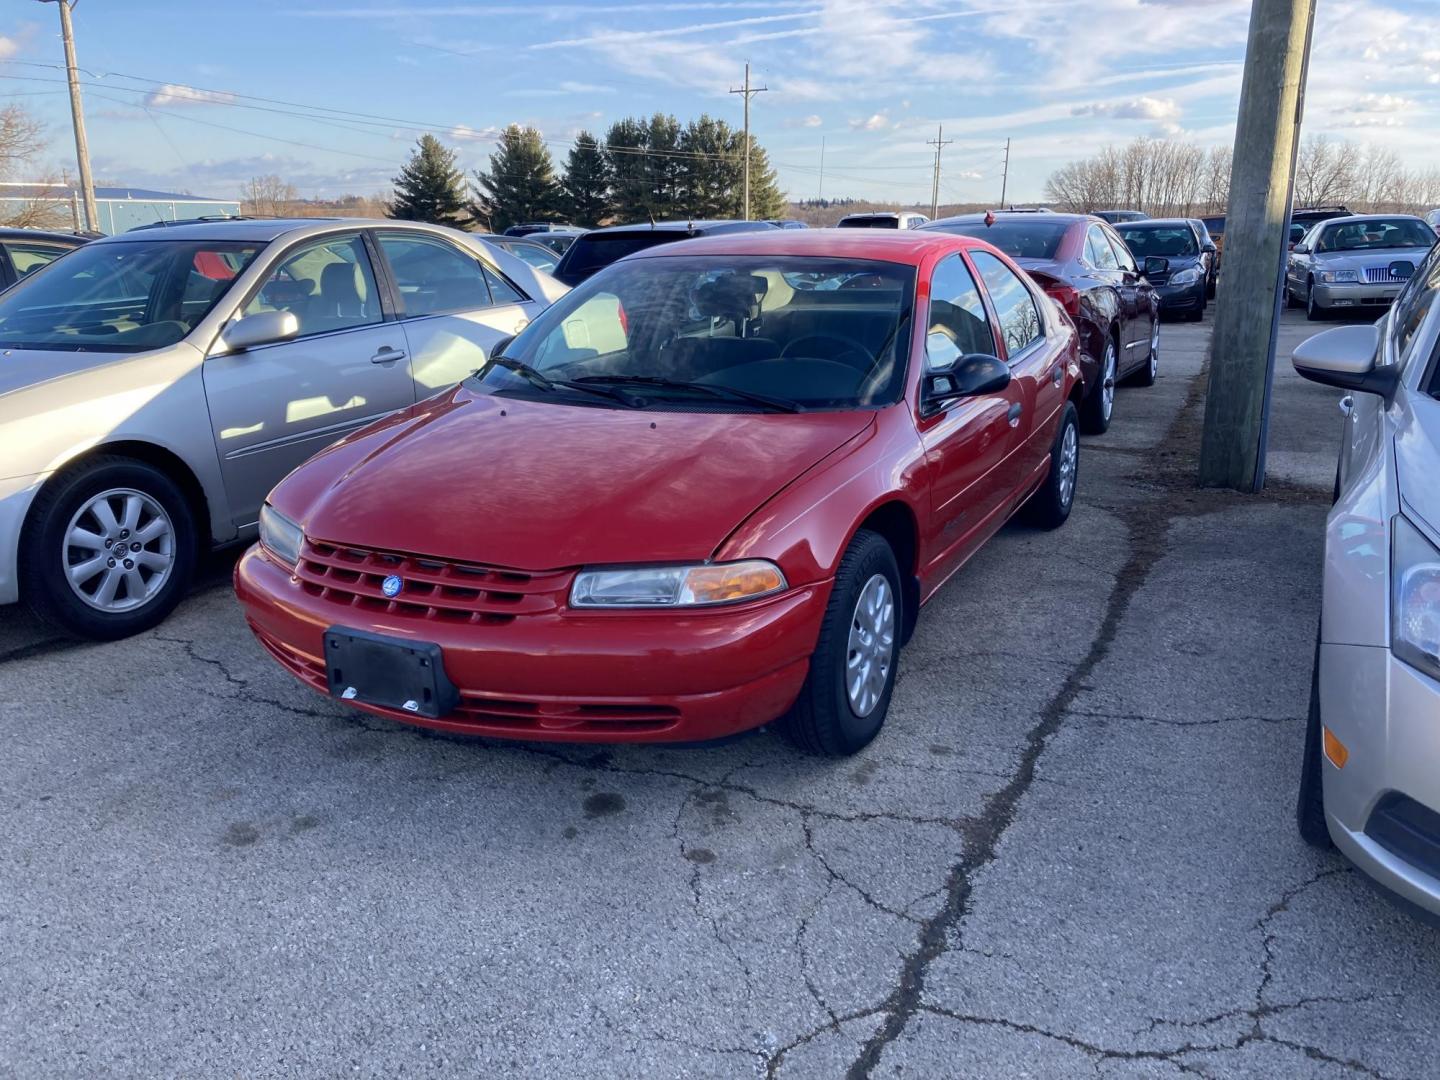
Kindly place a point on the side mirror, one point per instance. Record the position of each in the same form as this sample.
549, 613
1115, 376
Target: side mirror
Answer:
1402, 269
498, 349
1210, 249
973, 375
1300, 249
262, 328
1345, 358
1156, 264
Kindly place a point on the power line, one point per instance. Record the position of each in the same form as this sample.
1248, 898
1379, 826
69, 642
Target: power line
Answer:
749, 93
939, 142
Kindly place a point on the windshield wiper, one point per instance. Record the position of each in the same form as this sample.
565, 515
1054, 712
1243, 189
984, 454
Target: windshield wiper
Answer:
541, 381
776, 404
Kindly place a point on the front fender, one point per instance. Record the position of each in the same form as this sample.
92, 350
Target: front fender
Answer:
806, 528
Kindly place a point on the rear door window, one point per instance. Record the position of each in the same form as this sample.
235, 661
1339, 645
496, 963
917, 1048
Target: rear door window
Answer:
1415, 303
1014, 304
432, 276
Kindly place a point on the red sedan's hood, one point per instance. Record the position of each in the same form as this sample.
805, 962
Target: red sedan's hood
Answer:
538, 486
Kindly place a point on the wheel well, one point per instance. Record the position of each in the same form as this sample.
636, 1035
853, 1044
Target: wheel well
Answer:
164, 460
895, 522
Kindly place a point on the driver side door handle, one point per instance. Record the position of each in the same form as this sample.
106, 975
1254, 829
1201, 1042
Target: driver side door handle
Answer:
387, 355
1016, 411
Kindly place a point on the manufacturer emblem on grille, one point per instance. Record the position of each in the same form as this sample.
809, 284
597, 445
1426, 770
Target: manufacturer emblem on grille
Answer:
392, 585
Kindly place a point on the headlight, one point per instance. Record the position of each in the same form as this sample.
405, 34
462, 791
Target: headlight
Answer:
280, 536
1331, 276
1186, 277
1415, 599
676, 586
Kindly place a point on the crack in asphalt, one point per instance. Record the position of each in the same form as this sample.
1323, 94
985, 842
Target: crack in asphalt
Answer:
1209, 721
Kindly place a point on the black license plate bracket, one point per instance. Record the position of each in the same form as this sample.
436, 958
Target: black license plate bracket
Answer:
392, 673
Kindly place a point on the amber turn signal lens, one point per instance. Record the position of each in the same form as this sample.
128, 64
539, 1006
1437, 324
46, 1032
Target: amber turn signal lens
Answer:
726, 583
1335, 750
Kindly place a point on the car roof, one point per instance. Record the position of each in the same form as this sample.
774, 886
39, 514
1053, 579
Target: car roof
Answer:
1052, 217
1156, 222
900, 246
14, 233
679, 226
1369, 217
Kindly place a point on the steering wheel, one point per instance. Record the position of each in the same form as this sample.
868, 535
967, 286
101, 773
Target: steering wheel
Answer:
843, 354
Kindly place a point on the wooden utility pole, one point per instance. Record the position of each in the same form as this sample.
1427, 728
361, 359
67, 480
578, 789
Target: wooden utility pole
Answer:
77, 115
939, 143
749, 92
820, 193
1247, 316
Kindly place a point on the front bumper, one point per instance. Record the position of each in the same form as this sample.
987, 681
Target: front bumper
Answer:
651, 676
1387, 715
1181, 297
1356, 294
16, 495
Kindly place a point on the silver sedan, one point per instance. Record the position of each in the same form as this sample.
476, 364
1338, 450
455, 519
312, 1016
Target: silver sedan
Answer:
1356, 262
1371, 776
155, 385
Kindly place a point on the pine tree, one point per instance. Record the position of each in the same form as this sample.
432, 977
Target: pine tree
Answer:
663, 167
711, 169
767, 201
430, 187
587, 183
625, 146
520, 185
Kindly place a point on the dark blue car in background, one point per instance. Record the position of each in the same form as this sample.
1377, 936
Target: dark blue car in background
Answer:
1184, 286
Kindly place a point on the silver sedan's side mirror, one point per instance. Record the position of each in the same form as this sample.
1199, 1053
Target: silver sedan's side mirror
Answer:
1345, 357
262, 328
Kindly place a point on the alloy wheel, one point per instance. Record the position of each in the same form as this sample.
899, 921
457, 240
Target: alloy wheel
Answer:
1154, 349
118, 550
872, 646
1069, 460
1107, 382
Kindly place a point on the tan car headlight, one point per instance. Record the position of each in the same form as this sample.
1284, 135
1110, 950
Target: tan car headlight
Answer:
701, 585
280, 536
1415, 603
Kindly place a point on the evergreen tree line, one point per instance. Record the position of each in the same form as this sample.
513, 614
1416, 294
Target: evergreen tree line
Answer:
644, 169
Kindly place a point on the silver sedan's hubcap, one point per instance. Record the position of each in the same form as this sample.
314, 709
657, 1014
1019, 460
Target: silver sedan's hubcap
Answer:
872, 646
1069, 459
1107, 382
1155, 347
118, 550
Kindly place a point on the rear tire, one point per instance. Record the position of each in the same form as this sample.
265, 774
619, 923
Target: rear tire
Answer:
1098, 409
1050, 506
148, 561
1310, 804
839, 711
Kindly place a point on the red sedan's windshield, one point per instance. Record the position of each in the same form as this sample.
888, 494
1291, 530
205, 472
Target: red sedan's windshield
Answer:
723, 333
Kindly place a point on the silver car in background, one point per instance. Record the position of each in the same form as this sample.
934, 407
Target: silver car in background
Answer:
155, 385
1355, 262
1371, 775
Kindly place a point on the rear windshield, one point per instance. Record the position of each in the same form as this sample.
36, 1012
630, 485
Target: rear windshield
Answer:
1216, 225
1018, 239
121, 297
869, 223
1166, 241
1367, 235
591, 253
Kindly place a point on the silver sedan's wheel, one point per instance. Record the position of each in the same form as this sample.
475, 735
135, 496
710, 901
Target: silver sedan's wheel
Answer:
872, 646
118, 550
1069, 460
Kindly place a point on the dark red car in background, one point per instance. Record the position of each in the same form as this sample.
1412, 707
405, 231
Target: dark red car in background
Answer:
708, 488
1080, 261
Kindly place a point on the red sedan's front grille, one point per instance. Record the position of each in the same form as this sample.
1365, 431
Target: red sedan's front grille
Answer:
431, 588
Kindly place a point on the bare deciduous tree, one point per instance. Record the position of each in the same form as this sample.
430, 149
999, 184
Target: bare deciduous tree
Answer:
268, 196
22, 139
1325, 171
1158, 176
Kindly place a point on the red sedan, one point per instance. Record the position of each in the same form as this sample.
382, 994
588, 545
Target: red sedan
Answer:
708, 489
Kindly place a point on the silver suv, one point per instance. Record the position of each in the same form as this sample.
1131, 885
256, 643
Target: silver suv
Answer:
155, 385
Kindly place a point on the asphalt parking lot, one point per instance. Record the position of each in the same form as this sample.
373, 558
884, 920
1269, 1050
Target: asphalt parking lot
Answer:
1070, 853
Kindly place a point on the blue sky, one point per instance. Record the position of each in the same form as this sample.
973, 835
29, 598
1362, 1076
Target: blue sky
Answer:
331, 94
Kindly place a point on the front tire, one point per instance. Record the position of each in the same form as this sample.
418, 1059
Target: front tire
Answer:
1099, 407
845, 698
1050, 506
1147, 375
1314, 312
1310, 804
109, 548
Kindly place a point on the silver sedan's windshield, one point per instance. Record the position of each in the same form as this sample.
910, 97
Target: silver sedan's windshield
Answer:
121, 297
1372, 234
723, 333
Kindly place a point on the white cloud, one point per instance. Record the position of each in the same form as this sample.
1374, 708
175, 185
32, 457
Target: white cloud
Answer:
875, 122
811, 121
180, 94
465, 133
1141, 108
1381, 103
8, 47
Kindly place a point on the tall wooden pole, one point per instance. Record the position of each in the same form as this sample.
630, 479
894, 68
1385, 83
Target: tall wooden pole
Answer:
77, 115
1242, 346
749, 92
